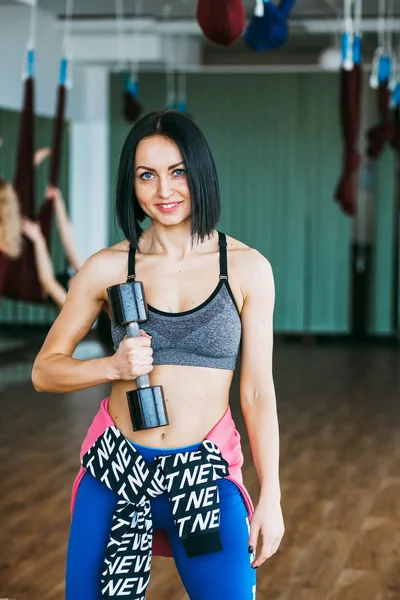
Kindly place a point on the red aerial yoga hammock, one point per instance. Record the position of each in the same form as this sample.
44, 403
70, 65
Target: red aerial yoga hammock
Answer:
350, 108
20, 279
395, 142
385, 131
24, 177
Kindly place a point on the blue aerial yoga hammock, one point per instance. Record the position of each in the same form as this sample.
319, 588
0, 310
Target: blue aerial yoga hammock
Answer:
268, 29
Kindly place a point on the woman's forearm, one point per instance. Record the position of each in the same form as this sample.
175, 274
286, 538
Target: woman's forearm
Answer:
61, 374
261, 421
65, 230
44, 266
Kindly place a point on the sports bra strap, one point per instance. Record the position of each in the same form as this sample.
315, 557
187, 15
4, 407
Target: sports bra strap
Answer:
131, 264
223, 263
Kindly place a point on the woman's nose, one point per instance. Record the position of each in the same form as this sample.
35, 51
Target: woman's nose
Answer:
165, 189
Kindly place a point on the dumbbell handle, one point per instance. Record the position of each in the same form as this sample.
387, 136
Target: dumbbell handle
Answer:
133, 330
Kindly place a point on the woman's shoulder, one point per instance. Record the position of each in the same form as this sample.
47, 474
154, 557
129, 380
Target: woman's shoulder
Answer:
122, 246
251, 270
107, 266
110, 255
245, 258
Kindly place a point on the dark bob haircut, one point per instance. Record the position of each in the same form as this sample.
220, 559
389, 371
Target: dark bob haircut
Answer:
200, 168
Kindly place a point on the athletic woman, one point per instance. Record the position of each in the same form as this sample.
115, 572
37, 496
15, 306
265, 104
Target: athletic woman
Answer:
209, 296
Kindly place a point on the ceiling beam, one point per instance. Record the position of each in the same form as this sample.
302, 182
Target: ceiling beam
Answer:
191, 27
336, 26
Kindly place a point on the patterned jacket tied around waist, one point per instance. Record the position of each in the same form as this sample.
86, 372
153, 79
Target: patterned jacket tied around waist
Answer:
189, 479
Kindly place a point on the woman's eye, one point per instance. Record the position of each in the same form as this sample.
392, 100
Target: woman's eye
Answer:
179, 172
146, 176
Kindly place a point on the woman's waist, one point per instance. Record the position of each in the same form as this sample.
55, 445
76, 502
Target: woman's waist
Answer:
193, 408
188, 425
178, 378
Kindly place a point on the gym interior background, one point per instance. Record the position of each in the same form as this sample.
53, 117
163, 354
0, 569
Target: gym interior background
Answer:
274, 123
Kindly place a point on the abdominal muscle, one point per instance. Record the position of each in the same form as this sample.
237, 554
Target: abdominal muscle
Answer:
196, 399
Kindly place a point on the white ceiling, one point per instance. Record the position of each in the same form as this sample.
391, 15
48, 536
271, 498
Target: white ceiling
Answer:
302, 47
187, 8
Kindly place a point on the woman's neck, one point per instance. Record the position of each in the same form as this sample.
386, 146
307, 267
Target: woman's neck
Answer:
176, 241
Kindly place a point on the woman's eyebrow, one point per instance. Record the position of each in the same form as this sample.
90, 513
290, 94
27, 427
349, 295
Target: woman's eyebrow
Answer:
181, 162
146, 168
153, 170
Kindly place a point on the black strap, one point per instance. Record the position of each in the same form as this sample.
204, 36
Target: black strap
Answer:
131, 264
223, 262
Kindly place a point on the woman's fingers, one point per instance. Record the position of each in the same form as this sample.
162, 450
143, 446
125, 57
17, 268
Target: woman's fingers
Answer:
144, 334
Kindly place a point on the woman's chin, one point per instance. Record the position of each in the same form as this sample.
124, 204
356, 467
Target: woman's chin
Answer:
172, 222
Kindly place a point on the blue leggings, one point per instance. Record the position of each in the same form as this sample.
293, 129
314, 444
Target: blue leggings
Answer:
225, 574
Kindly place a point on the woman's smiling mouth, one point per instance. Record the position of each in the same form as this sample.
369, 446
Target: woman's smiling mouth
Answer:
168, 207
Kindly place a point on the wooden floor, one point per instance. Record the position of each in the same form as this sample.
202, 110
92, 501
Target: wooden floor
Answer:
339, 416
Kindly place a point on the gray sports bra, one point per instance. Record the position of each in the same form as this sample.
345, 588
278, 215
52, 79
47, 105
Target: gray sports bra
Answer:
206, 336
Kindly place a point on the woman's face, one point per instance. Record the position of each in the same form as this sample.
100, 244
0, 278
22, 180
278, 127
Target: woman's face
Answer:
160, 181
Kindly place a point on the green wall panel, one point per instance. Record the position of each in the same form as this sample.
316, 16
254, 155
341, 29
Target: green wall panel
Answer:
12, 312
382, 265
277, 146
327, 230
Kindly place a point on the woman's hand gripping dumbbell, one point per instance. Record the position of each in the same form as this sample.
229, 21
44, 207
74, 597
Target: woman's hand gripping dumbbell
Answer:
128, 309
134, 357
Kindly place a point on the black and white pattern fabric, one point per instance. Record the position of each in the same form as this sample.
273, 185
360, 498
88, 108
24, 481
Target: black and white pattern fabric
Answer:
189, 478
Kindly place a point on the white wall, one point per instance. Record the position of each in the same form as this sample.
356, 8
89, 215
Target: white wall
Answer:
87, 110
14, 32
89, 162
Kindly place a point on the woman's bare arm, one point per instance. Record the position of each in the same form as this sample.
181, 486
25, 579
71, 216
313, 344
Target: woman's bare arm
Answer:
57, 293
54, 369
64, 227
257, 392
43, 263
40, 155
259, 404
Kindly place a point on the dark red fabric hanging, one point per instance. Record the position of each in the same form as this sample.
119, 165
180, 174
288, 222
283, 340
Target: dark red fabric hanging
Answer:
384, 132
21, 282
395, 141
21, 273
131, 107
222, 21
3, 271
46, 212
24, 181
350, 109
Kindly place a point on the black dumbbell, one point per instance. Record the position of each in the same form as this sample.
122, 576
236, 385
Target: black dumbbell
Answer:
128, 308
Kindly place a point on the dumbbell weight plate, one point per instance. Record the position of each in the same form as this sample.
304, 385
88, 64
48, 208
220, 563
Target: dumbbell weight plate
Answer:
147, 408
127, 303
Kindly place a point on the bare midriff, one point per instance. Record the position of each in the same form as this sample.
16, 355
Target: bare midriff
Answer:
196, 399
